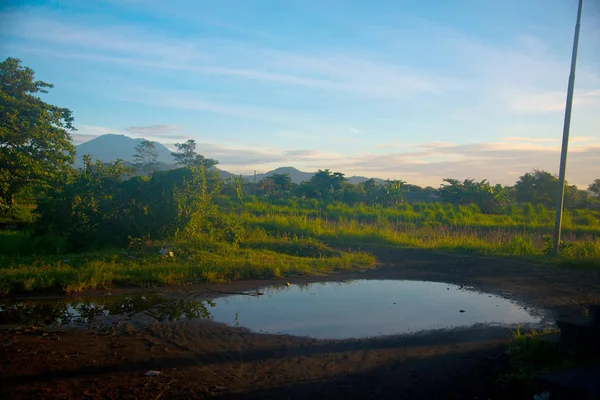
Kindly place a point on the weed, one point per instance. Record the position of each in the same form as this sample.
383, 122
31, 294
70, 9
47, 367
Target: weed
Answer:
530, 355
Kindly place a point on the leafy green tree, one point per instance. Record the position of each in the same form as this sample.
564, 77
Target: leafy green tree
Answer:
186, 156
145, 158
35, 143
283, 184
388, 194
234, 186
541, 187
490, 199
595, 187
392, 193
324, 184
277, 185
97, 206
86, 207
267, 185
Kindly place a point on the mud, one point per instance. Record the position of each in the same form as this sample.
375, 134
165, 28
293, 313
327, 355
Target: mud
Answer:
203, 359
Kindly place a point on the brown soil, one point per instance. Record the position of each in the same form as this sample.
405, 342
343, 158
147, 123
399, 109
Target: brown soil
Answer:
199, 359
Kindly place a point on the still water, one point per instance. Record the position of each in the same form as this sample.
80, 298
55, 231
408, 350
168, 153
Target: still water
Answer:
366, 308
352, 309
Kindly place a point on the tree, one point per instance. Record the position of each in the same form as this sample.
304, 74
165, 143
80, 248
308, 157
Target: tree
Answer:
267, 185
145, 157
186, 156
283, 183
324, 183
85, 209
595, 187
541, 187
391, 193
490, 199
35, 143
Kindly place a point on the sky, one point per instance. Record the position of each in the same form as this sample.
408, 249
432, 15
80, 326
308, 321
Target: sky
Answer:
412, 90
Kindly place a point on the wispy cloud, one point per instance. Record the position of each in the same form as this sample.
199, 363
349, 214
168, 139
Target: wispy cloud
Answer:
527, 139
126, 45
429, 163
372, 97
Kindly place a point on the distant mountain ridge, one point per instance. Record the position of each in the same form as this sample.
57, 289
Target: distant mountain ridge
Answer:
300, 176
111, 147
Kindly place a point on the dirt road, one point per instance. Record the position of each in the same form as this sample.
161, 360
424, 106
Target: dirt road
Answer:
199, 359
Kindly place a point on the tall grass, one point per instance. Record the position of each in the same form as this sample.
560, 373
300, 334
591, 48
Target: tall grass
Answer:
533, 219
579, 247
275, 240
146, 268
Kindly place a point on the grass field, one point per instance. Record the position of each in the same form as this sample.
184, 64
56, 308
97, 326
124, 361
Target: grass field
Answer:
523, 232
191, 262
279, 240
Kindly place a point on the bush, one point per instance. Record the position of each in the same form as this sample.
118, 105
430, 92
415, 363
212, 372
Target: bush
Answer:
520, 245
98, 207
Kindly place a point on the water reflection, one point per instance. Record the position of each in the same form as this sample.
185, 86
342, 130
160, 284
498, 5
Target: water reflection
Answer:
347, 309
86, 311
365, 308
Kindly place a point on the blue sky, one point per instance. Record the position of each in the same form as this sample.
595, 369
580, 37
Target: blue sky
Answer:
413, 90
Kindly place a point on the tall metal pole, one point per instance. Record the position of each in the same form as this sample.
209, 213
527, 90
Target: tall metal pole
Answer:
560, 198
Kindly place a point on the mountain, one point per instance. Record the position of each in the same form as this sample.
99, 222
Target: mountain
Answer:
296, 175
113, 147
301, 176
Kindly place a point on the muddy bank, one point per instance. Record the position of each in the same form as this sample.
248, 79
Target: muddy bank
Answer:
200, 359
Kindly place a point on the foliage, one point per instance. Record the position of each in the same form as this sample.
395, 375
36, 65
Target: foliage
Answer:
87, 310
389, 194
145, 158
594, 187
35, 142
323, 184
217, 231
541, 187
191, 263
186, 156
280, 185
490, 199
83, 207
530, 355
98, 207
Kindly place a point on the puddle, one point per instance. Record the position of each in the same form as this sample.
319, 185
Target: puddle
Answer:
74, 312
366, 308
354, 309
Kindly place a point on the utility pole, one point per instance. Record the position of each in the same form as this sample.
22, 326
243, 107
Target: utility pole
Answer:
560, 198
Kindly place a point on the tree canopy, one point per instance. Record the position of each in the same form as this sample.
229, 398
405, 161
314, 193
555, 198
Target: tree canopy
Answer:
541, 187
35, 142
186, 156
595, 187
145, 157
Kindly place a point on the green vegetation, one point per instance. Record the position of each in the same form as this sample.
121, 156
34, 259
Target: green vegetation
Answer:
434, 226
85, 310
189, 264
530, 355
77, 229
34, 136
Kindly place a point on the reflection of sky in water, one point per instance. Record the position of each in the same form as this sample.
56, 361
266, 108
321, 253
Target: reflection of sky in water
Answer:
365, 308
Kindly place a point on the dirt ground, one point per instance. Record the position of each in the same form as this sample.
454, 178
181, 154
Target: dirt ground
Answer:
200, 359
